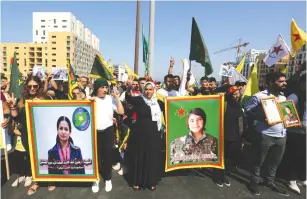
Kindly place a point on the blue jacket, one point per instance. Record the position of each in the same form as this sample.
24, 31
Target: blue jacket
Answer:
75, 154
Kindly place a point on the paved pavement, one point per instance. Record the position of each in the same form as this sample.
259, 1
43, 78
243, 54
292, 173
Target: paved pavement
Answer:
187, 184
182, 184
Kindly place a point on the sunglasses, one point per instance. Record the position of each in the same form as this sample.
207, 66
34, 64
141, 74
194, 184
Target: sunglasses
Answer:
32, 86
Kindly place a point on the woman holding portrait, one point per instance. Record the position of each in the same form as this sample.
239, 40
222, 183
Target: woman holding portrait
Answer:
33, 91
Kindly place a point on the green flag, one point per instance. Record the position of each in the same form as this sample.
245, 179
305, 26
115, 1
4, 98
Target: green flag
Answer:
100, 70
16, 84
145, 50
198, 49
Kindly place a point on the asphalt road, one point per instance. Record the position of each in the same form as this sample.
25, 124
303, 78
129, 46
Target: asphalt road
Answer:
186, 184
181, 184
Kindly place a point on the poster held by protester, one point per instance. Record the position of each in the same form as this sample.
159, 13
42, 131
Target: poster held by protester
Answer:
59, 74
194, 132
271, 110
39, 71
226, 70
62, 141
289, 114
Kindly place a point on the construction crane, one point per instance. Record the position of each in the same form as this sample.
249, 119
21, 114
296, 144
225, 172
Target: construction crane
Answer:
238, 46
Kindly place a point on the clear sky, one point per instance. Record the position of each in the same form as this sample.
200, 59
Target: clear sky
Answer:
221, 24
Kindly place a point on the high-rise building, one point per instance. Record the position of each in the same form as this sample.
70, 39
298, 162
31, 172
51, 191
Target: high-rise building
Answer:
299, 58
263, 69
57, 36
84, 45
27, 56
45, 22
250, 59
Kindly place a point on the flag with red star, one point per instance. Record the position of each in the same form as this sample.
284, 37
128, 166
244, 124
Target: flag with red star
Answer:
298, 37
277, 52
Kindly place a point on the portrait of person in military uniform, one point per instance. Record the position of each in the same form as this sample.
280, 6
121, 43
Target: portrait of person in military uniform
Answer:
290, 117
197, 145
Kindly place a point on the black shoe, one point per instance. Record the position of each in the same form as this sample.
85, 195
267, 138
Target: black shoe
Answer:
226, 182
219, 183
273, 187
254, 189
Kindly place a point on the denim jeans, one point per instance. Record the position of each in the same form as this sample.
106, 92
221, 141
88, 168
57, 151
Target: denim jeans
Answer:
269, 147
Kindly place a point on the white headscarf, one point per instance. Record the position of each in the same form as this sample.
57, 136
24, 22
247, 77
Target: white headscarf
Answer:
154, 106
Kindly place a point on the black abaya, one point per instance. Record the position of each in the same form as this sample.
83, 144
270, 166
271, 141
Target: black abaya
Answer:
144, 146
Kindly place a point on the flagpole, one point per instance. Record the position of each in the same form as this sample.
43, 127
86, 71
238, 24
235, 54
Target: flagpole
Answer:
151, 35
137, 38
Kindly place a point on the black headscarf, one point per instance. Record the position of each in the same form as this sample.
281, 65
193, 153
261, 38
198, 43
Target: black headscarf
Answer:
97, 84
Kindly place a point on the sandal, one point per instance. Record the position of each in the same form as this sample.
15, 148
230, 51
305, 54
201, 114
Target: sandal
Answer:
51, 188
33, 189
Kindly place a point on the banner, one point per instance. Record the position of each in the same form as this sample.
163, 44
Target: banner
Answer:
194, 132
62, 140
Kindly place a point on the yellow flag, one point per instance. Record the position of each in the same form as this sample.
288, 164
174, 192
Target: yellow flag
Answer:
252, 86
240, 66
284, 70
162, 98
298, 37
130, 72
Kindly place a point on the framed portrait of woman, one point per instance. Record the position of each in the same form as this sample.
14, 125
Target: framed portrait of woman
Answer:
62, 142
271, 110
194, 132
289, 113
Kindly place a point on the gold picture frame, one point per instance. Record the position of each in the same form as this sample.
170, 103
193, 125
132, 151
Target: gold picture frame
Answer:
289, 114
271, 110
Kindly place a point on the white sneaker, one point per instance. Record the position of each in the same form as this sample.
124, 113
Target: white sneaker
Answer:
18, 181
28, 181
8, 147
121, 172
108, 185
95, 187
293, 186
116, 167
304, 183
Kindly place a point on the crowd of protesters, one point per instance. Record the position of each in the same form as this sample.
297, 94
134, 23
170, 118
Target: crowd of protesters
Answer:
132, 107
